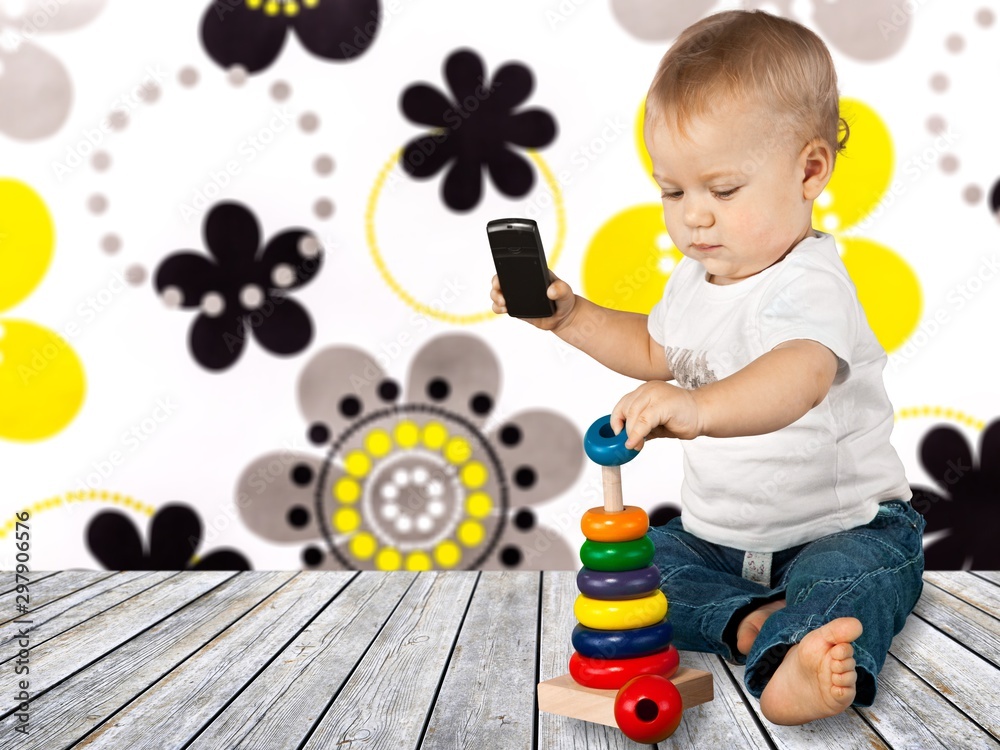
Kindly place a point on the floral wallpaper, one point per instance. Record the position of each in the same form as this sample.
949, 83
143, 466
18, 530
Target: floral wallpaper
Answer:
244, 277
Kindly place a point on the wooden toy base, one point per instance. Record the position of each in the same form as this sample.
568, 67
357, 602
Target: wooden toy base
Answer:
564, 696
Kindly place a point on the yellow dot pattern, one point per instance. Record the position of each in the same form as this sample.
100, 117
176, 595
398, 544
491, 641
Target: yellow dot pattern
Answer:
457, 450
406, 434
478, 505
941, 412
378, 443
459, 319
357, 463
388, 559
346, 490
346, 520
59, 501
471, 533
448, 554
434, 435
290, 8
363, 545
474, 475
418, 561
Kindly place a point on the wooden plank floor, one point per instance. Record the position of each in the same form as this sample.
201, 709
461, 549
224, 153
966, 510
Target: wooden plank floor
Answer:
352, 661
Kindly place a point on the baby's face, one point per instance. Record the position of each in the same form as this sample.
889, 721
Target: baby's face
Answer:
733, 194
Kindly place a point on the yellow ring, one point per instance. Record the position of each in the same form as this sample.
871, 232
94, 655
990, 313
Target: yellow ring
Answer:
620, 614
396, 287
56, 501
941, 412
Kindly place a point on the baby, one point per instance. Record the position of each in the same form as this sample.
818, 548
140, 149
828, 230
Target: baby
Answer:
797, 552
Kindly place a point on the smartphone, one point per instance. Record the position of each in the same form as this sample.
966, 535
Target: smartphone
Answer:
520, 262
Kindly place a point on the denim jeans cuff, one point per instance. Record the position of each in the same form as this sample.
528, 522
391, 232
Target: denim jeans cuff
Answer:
867, 671
727, 635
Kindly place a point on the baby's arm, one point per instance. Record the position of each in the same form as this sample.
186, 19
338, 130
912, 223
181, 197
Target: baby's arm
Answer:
771, 392
618, 340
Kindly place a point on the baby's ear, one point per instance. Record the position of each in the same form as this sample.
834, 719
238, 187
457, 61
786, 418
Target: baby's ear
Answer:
816, 162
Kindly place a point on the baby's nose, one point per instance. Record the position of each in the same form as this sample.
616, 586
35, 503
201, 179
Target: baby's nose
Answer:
698, 214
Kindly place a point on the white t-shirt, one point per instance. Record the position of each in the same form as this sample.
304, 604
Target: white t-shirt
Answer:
822, 474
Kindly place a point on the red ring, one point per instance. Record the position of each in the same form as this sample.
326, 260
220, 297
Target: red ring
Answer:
611, 674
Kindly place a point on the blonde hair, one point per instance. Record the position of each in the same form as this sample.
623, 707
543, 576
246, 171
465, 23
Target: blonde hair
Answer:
754, 60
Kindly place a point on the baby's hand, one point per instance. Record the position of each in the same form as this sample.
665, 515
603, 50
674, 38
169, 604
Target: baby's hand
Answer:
558, 291
656, 409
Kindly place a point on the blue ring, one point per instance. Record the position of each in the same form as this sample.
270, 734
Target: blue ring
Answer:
604, 447
622, 644
624, 584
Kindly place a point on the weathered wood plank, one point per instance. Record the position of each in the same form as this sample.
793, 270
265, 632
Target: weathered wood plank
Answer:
727, 721
73, 649
963, 677
908, 713
387, 701
176, 707
988, 575
10, 582
967, 587
845, 731
63, 613
487, 698
68, 711
279, 708
968, 625
44, 588
557, 732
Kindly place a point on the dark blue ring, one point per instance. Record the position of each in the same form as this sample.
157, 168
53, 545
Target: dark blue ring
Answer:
624, 584
622, 644
604, 447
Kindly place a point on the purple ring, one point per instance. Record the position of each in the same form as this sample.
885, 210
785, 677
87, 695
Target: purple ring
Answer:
624, 584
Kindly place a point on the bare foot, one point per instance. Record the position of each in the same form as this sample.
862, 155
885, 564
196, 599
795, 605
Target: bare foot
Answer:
817, 677
746, 633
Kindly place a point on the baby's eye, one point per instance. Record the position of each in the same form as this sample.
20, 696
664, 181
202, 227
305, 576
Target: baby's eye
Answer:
725, 193
672, 194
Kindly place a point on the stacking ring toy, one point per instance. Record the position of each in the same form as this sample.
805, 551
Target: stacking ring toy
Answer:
622, 644
611, 674
620, 614
599, 525
624, 584
604, 447
617, 556
648, 709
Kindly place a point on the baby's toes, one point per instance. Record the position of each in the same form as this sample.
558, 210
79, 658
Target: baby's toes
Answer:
843, 671
842, 651
847, 678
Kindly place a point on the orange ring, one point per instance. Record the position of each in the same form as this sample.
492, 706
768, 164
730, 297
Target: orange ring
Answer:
598, 525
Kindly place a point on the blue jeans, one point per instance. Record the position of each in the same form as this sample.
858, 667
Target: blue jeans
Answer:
872, 572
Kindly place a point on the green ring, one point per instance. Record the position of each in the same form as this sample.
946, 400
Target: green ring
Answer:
617, 556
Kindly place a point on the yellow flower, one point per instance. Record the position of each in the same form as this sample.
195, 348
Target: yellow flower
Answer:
41, 378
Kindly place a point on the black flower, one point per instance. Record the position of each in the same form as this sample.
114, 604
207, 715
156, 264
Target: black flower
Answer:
475, 130
661, 515
970, 507
243, 287
174, 536
251, 33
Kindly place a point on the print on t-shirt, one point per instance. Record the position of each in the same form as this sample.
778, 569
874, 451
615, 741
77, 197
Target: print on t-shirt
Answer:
690, 371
